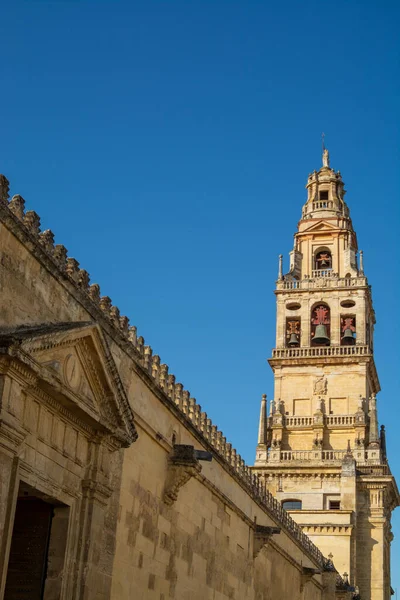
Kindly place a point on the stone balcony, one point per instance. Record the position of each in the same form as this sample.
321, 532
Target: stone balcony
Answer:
366, 458
317, 351
322, 279
331, 421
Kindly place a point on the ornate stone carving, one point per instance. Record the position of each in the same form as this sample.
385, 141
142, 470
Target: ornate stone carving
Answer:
320, 386
325, 158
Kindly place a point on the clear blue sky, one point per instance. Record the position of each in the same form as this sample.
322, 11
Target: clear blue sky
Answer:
167, 145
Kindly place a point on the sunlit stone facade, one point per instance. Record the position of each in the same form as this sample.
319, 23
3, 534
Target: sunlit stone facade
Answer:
320, 450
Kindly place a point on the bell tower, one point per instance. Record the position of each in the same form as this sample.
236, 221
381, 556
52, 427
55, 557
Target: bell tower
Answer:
320, 451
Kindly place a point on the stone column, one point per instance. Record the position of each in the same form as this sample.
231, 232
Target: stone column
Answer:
11, 437
348, 495
90, 580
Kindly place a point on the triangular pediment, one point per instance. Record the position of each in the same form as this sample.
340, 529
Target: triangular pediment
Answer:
76, 366
320, 227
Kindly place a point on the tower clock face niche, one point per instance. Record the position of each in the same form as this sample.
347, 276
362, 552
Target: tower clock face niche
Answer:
319, 441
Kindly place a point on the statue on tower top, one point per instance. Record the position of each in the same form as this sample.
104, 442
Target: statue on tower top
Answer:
325, 158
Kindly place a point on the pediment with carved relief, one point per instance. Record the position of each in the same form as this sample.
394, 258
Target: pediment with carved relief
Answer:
75, 366
320, 227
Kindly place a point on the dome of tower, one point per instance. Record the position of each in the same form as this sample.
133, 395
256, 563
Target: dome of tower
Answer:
325, 193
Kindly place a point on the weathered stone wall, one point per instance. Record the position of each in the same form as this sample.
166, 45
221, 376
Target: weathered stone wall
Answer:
204, 542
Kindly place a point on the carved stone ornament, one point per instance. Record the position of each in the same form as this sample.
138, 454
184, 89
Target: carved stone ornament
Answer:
348, 463
320, 386
325, 158
262, 535
182, 465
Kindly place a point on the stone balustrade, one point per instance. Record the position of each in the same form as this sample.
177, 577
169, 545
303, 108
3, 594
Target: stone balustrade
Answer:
323, 205
329, 420
323, 273
340, 420
298, 421
317, 351
322, 281
55, 256
316, 456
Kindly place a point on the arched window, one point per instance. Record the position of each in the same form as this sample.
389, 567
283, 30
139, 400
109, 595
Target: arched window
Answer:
323, 260
320, 325
291, 504
348, 330
293, 332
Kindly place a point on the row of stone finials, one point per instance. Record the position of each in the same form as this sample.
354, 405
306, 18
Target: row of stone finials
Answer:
152, 364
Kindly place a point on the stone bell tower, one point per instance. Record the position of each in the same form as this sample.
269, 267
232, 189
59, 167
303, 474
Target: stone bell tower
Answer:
319, 448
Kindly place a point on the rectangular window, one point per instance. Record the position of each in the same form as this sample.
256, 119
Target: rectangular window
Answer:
324, 195
334, 504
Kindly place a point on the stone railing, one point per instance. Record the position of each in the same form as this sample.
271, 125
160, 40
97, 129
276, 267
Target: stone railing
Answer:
26, 226
329, 420
323, 205
340, 420
312, 455
365, 466
322, 281
297, 421
323, 273
317, 351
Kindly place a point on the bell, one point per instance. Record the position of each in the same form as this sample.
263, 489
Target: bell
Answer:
293, 340
321, 337
348, 337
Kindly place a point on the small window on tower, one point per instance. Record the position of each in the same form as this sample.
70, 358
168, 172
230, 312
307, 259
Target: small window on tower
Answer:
324, 195
334, 504
348, 327
292, 333
323, 262
320, 325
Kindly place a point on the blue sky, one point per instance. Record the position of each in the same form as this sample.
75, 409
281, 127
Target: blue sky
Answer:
167, 145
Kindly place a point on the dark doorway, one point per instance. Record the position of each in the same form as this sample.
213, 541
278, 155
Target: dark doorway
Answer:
27, 564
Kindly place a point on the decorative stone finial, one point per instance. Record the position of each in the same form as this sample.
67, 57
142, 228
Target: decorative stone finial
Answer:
46, 238
32, 222
105, 303
94, 292
17, 206
60, 255
280, 275
361, 262
124, 324
83, 279
132, 335
262, 428
373, 423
